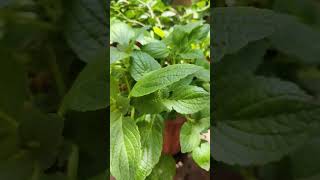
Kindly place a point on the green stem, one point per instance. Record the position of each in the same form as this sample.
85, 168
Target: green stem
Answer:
62, 110
36, 172
153, 16
132, 113
73, 162
128, 84
130, 20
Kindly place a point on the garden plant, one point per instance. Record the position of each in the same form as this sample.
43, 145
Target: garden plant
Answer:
53, 90
159, 89
265, 118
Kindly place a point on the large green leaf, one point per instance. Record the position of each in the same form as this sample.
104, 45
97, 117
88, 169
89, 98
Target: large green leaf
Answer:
151, 142
306, 48
259, 120
90, 89
161, 78
165, 169
187, 99
125, 149
87, 42
245, 61
142, 63
235, 27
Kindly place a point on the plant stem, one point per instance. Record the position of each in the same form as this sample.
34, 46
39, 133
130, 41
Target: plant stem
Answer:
128, 84
132, 113
73, 162
36, 172
131, 20
151, 13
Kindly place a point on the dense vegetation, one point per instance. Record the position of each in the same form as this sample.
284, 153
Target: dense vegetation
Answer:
159, 83
53, 90
266, 73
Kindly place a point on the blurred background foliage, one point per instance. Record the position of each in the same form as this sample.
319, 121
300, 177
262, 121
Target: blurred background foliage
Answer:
38, 66
302, 164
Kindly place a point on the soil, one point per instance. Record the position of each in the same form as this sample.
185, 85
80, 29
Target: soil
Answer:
187, 169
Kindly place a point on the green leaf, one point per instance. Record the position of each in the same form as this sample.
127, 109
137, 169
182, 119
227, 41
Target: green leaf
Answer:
114, 88
235, 27
125, 149
13, 94
86, 41
90, 90
156, 49
149, 104
158, 32
199, 33
304, 163
203, 74
87, 130
151, 143
120, 103
183, 82
19, 167
165, 169
189, 137
192, 54
190, 133
161, 78
142, 63
116, 55
187, 100
43, 141
245, 61
261, 123
178, 38
306, 48
13, 91
121, 33
201, 155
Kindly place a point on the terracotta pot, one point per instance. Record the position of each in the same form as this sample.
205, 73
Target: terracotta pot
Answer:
171, 136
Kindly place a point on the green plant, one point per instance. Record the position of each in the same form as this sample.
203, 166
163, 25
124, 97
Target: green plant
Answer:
52, 121
152, 81
266, 115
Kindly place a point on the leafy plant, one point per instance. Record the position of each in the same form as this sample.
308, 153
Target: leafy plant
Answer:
153, 80
52, 120
266, 112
